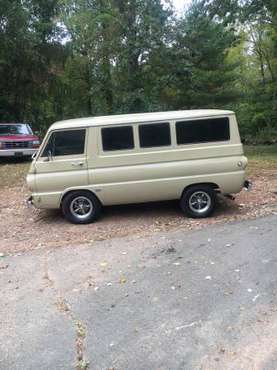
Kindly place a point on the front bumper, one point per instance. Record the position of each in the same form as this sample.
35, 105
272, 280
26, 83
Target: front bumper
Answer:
17, 152
45, 200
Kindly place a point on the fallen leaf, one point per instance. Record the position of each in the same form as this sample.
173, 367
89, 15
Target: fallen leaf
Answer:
122, 280
4, 267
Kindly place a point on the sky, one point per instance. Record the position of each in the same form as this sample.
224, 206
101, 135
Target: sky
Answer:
179, 4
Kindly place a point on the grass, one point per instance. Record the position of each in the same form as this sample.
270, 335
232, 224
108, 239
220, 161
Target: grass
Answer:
261, 157
13, 172
261, 152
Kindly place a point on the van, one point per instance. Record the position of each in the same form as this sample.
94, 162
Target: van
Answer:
85, 164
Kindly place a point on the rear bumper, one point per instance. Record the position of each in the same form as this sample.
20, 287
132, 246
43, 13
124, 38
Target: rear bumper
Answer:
17, 152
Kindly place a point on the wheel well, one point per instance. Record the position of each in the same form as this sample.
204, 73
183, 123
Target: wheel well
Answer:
77, 190
211, 184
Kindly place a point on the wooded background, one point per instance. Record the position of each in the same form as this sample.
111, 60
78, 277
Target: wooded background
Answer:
71, 58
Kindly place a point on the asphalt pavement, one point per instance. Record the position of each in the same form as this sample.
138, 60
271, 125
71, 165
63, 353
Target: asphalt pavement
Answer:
204, 299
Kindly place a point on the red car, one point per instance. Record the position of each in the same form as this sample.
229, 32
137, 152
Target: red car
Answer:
17, 140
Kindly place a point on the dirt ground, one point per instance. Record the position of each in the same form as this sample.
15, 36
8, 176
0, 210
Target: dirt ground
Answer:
24, 228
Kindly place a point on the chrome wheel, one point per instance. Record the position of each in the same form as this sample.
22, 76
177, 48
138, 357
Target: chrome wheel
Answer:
200, 202
81, 207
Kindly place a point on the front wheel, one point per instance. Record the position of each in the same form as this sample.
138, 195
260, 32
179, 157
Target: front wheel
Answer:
81, 207
198, 201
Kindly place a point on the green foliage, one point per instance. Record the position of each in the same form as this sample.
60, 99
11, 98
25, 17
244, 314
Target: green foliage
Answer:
29, 60
262, 152
256, 58
72, 58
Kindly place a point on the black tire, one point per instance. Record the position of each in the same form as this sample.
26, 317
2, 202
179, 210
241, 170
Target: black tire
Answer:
189, 201
73, 199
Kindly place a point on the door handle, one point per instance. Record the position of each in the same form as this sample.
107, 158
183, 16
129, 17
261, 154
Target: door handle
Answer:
77, 164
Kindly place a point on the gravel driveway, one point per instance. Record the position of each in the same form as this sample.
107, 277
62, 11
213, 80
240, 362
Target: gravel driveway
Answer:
23, 228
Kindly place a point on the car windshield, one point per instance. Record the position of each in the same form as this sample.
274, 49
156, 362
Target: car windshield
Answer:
15, 130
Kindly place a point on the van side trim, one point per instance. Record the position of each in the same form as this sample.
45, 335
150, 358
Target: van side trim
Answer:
172, 179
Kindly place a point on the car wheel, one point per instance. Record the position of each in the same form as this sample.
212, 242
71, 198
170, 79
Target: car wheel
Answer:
81, 207
198, 201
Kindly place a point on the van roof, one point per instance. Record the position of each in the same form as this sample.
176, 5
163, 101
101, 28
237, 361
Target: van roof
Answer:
139, 118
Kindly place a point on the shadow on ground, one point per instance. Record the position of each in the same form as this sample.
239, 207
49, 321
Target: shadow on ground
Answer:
148, 210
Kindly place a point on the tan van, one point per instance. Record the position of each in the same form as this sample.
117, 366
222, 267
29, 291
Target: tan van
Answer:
84, 164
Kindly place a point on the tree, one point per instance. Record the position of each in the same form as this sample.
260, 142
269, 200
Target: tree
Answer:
93, 28
29, 55
70, 58
118, 39
145, 32
257, 19
207, 78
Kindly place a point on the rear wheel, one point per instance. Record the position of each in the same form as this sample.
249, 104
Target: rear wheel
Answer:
198, 201
81, 207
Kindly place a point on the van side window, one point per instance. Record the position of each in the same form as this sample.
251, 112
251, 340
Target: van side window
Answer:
153, 135
117, 138
203, 130
70, 142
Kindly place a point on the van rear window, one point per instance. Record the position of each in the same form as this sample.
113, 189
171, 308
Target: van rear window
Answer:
203, 131
153, 135
117, 138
